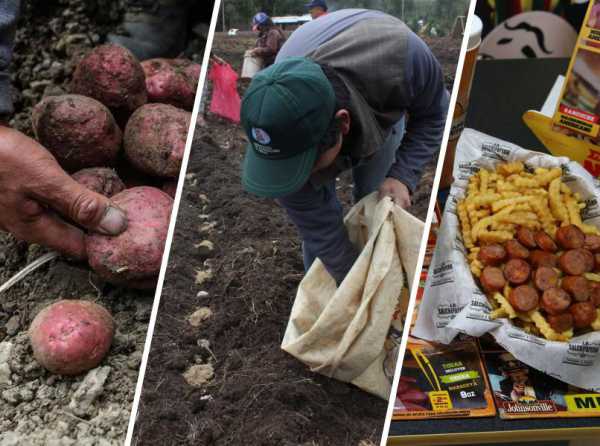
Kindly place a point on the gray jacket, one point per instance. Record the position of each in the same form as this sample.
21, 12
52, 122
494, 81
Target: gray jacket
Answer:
390, 72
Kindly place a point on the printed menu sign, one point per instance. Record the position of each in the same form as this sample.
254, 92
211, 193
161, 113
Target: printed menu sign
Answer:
579, 107
443, 381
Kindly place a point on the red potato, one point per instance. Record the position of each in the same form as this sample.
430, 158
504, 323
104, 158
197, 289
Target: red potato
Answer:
155, 139
172, 81
112, 75
70, 337
133, 258
79, 131
103, 180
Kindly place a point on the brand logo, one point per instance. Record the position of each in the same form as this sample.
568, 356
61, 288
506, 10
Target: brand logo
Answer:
260, 136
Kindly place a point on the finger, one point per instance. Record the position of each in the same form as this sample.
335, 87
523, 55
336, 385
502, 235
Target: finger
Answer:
51, 231
79, 204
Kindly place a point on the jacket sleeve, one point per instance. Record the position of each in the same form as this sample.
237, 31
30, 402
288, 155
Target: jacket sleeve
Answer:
271, 45
9, 14
428, 102
318, 215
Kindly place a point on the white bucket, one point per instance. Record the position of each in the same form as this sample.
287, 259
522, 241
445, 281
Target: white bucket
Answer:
252, 65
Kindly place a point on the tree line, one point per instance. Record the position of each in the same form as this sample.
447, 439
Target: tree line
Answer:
426, 16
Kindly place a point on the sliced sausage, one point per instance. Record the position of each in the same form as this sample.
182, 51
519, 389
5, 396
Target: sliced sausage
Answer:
516, 250
574, 262
541, 258
493, 254
492, 279
561, 322
524, 298
577, 286
517, 271
526, 238
545, 277
570, 237
584, 313
555, 300
592, 242
590, 260
595, 293
545, 242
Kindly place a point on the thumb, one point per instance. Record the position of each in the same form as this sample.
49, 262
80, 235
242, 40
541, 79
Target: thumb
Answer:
81, 205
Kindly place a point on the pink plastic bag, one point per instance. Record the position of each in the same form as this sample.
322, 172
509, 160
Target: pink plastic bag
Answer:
225, 100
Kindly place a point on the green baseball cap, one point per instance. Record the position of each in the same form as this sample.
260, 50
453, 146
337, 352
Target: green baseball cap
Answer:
286, 111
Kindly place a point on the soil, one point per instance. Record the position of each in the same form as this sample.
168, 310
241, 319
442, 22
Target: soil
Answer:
37, 407
216, 374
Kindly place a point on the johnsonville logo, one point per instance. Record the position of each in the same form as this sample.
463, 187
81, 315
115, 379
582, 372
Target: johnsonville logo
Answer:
583, 348
517, 407
446, 310
443, 269
468, 168
495, 150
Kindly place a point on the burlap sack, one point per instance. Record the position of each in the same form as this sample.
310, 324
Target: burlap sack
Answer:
349, 333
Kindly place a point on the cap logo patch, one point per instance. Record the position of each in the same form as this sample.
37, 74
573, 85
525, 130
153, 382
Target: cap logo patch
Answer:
260, 136
265, 150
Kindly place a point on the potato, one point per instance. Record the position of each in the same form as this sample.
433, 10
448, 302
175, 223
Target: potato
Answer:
112, 75
155, 137
103, 180
133, 258
79, 131
172, 81
170, 188
70, 337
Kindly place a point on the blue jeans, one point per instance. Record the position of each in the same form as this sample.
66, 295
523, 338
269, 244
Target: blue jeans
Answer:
367, 177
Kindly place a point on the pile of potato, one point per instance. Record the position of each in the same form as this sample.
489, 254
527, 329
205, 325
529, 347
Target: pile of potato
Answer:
118, 113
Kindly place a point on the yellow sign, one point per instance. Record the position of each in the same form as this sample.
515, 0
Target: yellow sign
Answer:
440, 401
585, 402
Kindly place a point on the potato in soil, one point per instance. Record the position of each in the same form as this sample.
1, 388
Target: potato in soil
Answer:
79, 131
134, 257
155, 139
112, 75
102, 180
70, 337
172, 81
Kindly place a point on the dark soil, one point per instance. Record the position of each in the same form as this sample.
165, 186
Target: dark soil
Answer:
36, 406
258, 395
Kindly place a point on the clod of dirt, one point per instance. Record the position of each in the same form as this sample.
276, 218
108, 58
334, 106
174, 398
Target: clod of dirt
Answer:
199, 375
13, 325
89, 390
203, 276
5, 352
205, 248
207, 228
199, 316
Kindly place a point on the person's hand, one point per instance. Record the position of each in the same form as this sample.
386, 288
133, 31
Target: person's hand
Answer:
397, 191
38, 199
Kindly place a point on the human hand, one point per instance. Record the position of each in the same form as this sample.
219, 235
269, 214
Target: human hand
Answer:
397, 191
38, 199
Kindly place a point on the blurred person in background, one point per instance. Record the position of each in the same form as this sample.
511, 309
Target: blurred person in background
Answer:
317, 8
270, 39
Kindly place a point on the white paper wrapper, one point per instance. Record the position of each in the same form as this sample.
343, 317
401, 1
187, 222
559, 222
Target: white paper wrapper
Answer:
453, 303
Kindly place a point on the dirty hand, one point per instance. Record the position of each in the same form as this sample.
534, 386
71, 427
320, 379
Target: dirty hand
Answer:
397, 191
37, 199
